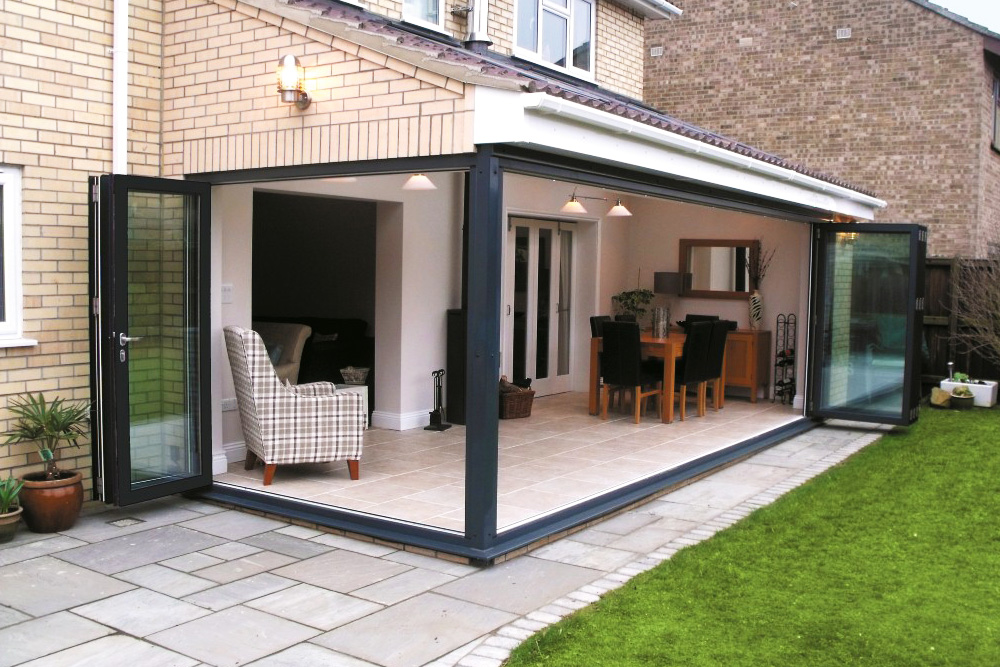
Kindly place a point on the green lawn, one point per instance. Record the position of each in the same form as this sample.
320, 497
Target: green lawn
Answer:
892, 558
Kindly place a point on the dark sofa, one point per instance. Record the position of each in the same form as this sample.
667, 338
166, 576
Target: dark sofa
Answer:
335, 343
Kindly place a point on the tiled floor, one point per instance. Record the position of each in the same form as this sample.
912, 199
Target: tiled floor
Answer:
557, 456
184, 583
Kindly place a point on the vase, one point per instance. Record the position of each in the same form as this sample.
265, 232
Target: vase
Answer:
756, 309
51, 505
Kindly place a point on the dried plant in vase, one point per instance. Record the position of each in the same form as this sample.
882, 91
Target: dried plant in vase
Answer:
757, 265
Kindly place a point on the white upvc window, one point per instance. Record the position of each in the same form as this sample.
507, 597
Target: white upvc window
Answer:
11, 315
425, 13
557, 33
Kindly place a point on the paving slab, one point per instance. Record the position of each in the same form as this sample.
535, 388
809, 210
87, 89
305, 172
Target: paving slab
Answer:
314, 606
240, 591
10, 616
520, 585
342, 571
242, 568
233, 525
40, 637
592, 556
165, 580
21, 551
114, 651
422, 629
140, 612
46, 585
287, 545
234, 636
403, 586
131, 551
309, 655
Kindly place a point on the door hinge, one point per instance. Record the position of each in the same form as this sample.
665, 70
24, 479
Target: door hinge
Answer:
922, 235
94, 188
920, 304
95, 306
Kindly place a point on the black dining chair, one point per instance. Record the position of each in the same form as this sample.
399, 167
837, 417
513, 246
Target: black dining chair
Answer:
692, 369
691, 317
597, 324
716, 357
624, 369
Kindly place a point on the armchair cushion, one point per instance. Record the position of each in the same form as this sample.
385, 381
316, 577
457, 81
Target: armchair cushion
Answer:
284, 342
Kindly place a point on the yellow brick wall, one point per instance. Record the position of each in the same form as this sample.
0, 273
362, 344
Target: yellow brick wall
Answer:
221, 109
55, 124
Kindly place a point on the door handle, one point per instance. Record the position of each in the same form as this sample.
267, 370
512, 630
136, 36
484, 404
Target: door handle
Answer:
123, 340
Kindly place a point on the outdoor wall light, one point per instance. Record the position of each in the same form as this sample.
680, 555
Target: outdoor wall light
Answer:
292, 82
573, 205
419, 182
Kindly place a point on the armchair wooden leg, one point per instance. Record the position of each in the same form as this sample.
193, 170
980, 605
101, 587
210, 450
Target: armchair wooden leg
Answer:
269, 469
251, 461
354, 468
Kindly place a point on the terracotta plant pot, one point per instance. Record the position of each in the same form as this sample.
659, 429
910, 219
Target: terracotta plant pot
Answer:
8, 525
51, 505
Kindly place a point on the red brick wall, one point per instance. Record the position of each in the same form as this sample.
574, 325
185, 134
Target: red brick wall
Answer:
895, 108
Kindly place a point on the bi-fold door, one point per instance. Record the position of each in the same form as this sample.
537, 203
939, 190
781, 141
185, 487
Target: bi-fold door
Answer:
867, 310
152, 367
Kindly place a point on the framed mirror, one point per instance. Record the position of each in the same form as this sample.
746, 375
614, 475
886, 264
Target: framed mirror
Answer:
718, 267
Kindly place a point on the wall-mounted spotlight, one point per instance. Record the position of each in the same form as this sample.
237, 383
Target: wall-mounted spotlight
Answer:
292, 82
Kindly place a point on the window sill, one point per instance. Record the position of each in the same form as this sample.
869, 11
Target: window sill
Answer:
18, 342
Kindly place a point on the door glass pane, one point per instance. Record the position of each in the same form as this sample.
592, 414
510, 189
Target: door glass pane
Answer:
565, 299
554, 38
543, 319
864, 336
164, 356
581, 34
527, 24
520, 303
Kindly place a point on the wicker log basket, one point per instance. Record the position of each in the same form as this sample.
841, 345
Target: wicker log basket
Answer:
515, 402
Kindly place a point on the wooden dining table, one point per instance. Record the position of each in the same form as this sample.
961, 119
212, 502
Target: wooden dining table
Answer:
668, 349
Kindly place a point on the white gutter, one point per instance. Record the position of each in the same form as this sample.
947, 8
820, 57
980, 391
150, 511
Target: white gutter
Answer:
554, 106
119, 89
651, 9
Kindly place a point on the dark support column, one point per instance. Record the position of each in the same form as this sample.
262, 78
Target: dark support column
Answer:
485, 235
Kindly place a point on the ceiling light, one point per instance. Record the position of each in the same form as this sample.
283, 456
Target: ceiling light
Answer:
573, 205
419, 182
619, 211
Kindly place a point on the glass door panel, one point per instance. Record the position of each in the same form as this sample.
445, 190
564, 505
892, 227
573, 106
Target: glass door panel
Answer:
867, 295
152, 366
539, 287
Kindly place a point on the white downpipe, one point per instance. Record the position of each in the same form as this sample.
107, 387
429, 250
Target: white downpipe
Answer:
119, 89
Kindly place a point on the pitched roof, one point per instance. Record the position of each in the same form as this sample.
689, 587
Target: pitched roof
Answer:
493, 69
957, 18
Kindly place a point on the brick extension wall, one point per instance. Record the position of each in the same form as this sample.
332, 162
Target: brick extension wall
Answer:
221, 108
895, 108
55, 124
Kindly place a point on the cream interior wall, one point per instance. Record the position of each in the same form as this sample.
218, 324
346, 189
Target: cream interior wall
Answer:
418, 276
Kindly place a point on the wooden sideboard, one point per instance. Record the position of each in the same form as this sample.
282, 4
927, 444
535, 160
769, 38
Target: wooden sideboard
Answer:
748, 360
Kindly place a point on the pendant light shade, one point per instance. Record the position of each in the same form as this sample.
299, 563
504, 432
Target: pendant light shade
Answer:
419, 182
619, 211
573, 206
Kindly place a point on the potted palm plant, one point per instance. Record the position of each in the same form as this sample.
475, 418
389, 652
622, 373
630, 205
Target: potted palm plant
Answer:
51, 498
10, 509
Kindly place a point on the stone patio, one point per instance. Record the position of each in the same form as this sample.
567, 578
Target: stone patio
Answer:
197, 584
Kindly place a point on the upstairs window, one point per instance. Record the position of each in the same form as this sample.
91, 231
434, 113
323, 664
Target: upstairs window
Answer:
559, 33
996, 112
423, 12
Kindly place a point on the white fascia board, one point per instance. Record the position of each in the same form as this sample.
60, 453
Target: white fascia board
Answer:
651, 9
552, 124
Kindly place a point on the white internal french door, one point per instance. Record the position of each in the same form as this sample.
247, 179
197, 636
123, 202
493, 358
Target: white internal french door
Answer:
538, 301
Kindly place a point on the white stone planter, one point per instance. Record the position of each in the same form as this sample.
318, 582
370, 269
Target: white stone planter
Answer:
985, 394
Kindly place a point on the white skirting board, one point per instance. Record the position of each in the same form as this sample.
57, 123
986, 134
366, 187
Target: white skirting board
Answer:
405, 421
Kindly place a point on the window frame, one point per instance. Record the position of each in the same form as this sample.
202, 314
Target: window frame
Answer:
12, 322
569, 14
995, 138
423, 22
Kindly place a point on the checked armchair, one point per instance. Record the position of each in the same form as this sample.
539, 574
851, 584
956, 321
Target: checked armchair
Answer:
283, 423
